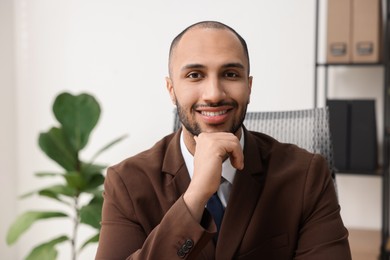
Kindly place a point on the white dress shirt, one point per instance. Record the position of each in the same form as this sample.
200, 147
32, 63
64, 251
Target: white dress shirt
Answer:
228, 171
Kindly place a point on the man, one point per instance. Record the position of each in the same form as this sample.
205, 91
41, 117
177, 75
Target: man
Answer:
278, 201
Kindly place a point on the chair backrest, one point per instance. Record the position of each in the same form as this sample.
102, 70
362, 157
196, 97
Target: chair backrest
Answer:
308, 128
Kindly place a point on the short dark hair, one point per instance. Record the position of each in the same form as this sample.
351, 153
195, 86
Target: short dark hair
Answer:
214, 25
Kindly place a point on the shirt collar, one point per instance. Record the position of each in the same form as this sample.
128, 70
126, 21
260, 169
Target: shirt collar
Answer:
228, 171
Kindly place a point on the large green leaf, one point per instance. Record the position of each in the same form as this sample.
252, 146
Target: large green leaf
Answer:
83, 181
96, 193
78, 116
56, 190
60, 189
46, 251
93, 239
91, 214
91, 169
48, 174
52, 195
59, 192
107, 146
56, 146
94, 182
92, 173
24, 221
76, 180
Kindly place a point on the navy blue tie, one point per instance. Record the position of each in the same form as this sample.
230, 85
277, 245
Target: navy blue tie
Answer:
216, 209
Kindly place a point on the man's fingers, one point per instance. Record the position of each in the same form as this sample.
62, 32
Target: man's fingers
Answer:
227, 145
236, 157
238, 164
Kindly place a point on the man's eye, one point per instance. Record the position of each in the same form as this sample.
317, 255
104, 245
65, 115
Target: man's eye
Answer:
194, 75
231, 75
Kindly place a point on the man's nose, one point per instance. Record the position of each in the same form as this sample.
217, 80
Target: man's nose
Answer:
213, 90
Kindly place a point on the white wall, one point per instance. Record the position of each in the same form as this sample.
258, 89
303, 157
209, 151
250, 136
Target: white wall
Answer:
8, 156
117, 50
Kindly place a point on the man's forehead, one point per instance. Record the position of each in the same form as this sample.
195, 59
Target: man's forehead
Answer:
199, 43
204, 40
200, 34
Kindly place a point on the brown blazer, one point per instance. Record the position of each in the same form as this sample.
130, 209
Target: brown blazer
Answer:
282, 205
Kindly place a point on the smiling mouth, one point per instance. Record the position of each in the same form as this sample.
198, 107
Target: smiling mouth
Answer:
216, 113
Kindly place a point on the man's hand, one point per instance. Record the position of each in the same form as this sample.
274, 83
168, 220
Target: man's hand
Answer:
210, 152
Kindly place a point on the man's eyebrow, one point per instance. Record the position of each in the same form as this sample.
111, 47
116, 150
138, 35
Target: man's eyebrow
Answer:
200, 66
234, 65
193, 66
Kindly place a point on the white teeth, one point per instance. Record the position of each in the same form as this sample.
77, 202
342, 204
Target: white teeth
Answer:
206, 113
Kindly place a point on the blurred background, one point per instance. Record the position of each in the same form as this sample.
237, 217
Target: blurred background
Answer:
117, 50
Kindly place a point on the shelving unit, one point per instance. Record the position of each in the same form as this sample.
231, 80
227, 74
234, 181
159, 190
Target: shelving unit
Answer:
385, 151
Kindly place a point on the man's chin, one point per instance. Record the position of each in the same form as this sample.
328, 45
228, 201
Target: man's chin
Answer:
195, 130
219, 129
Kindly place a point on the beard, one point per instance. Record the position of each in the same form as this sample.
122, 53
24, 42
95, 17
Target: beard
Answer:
194, 128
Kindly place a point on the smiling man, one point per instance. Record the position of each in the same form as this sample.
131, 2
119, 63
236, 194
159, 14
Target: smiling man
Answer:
214, 190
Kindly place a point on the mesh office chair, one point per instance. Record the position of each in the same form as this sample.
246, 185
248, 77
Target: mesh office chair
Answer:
308, 128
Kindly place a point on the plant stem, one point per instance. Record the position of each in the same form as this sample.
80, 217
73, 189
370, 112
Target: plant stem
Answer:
75, 227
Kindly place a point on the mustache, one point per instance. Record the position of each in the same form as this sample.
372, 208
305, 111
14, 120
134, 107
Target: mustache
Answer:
219, 104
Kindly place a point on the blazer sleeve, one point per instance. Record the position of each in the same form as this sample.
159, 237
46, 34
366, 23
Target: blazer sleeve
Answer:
122, 236
322, 233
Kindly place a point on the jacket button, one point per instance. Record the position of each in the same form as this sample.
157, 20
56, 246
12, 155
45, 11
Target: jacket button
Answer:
189, 243
180, 253
185, 248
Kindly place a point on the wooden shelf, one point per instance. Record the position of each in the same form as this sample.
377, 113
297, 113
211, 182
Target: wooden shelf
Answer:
368, 237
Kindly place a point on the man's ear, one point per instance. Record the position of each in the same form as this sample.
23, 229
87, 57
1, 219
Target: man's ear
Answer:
170, 89
250, 80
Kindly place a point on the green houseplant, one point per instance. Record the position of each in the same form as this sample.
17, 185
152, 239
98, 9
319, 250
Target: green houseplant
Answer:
77, 116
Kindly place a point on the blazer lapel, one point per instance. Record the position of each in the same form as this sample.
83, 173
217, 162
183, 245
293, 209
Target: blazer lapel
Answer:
243, 199
175, 174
